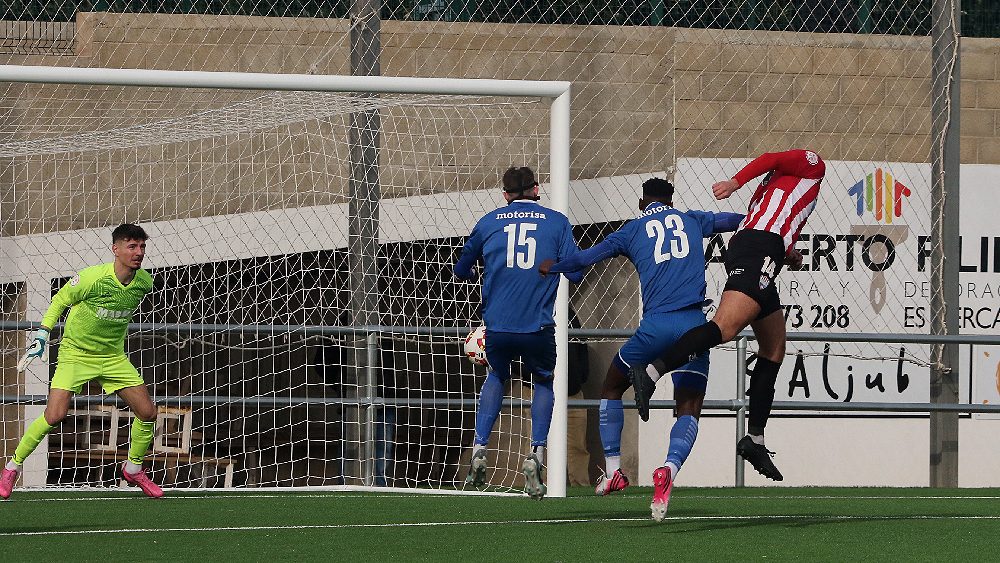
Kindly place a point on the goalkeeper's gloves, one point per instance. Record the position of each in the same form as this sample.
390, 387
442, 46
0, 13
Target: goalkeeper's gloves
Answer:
37, 349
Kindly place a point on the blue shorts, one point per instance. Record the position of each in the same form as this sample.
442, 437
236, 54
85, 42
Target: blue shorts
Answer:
657, 333
537, 350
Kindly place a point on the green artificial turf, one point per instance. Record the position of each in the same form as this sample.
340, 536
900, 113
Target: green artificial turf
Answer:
703, 524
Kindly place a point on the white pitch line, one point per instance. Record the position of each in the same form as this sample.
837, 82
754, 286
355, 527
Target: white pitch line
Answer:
335, 495
486, 522
834, 497
209, 496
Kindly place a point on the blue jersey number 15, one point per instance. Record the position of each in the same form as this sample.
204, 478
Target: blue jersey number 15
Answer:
520, 245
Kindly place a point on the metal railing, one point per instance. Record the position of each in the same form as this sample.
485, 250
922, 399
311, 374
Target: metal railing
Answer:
370, 400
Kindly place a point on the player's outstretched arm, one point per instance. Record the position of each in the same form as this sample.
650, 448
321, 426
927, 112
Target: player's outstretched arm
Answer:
68, 295
726, 222
582, 259
568, 248
796, 162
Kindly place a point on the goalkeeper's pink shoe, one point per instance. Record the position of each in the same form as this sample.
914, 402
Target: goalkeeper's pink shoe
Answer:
7, 480
143, 481
663, 482
607, 485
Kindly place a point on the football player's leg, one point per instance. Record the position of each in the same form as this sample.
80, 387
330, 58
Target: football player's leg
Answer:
735, 312
539, 356
770, 333
499, 356
118, 375
771, 338
635, 356
143, 424
55, 411
612, 414
690, 383
542, 402
540, 361
490, 403
68, 379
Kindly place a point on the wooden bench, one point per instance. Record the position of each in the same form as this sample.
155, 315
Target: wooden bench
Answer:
171, 445
170, 460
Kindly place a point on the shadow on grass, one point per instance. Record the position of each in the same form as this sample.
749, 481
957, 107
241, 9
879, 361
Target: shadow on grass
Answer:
687, 522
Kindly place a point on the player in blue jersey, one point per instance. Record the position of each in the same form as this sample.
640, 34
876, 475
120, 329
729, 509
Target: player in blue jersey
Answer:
518, 305
665, 246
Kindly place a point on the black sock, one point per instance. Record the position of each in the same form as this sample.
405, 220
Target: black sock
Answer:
692, 343
765, 374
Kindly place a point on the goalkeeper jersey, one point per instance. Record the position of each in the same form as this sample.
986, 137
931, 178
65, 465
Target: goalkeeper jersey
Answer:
101, 309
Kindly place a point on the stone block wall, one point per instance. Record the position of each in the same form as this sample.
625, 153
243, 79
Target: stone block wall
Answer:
642, 97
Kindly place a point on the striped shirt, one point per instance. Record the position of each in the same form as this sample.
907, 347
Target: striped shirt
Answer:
786, 196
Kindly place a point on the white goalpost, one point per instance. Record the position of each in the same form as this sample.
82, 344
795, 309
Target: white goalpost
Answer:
305, 329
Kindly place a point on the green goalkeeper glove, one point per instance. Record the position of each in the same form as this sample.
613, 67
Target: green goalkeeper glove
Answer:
37, 348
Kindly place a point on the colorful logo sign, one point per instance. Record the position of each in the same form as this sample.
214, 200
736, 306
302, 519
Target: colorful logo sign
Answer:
881, 194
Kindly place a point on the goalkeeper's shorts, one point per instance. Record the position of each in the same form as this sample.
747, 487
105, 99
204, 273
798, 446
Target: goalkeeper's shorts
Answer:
113, 372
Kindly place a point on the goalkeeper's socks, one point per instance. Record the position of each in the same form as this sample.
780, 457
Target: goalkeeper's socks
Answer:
132, 468
141, 438
542, 401
682, 438
477, 447
12, 466
612, 418
490, 402
757, 439
36, 432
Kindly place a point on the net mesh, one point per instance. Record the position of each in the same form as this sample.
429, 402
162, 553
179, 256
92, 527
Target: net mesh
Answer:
246, 198
690, 90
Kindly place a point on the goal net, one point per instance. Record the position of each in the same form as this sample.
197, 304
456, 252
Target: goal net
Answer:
305, 328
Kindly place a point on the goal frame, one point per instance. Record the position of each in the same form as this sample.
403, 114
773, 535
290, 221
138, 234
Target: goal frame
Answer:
559, 142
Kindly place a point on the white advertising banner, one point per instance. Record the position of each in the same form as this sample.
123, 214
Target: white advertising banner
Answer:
980, 276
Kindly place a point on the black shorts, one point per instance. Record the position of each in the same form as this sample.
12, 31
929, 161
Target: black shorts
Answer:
753, 261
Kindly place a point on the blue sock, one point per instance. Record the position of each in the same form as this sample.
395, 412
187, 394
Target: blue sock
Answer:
612, 422
490, 402
682, 437
541, 411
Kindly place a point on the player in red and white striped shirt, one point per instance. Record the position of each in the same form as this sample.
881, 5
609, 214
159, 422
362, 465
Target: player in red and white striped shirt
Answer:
777, 212
785, 198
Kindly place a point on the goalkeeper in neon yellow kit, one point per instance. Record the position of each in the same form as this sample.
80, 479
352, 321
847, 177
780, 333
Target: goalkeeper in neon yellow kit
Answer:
103, 299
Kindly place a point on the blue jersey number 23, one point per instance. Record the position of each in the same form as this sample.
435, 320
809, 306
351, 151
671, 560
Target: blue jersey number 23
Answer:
679, 247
